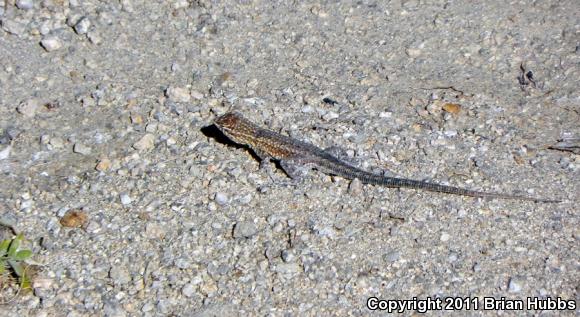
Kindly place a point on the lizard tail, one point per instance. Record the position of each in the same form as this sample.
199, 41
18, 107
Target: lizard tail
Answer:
351, 172
409, 183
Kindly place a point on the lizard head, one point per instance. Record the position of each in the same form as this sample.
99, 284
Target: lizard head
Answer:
235, 126
228, 121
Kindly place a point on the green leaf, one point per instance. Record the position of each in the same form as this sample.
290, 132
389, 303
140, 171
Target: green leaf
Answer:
4, 246
14, 246
23, 255
17, 267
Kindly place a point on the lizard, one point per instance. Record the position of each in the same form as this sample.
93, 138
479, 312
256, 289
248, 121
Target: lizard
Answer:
297, 157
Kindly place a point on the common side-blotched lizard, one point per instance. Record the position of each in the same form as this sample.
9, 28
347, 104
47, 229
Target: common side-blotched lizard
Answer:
297, 157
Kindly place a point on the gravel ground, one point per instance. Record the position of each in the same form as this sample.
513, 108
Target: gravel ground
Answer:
134, 205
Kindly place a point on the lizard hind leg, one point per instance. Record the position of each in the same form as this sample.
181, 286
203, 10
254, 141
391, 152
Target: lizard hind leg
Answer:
295, 170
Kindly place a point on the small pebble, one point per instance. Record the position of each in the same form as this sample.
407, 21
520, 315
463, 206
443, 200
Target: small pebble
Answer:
514, 285
450, 133
24, 4
103, 165
74, 219
5, 153
392, 256
196, 95
125, 199
180, 4
94, 37
44, 139
413, 52
244, 200
26, 205
183, 263
288, 268
147, 307
288, 256
445, 237
188, 290
355, 187
452, 108
56, 142
245, 229
82, 26
154, 231
170, 141
112, 309
13, 27
119, 274
73, 18
51, 43
147, 142
178, 94
208, 288
221, 198
81, 149
28, 108
385, 114
127, 6
164, 307
330, 115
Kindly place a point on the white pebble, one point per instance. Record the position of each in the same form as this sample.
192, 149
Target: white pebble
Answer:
154, 231
170, 141
4, 154
145, 143
188, 290
24, 4
245, 229
82, 26
445, 237
450, 133
221, 199
127, 6
330, 116
28, 108
51, 43
81, 149
413, 52
514, 286
178, 94
125, 199
180, 4
94, 37
385, 114
13, 27
196, 95
147, 307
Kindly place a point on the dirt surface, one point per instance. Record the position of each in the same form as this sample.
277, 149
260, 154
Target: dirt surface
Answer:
134, 205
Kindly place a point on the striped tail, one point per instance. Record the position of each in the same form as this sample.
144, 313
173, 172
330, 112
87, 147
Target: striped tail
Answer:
344, 170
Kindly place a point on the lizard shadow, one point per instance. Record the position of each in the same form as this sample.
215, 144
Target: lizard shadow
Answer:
211, 131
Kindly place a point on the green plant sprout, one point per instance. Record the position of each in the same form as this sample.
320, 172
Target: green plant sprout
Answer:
13, 257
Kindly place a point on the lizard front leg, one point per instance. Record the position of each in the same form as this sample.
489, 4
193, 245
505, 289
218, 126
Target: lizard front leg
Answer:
265, 163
